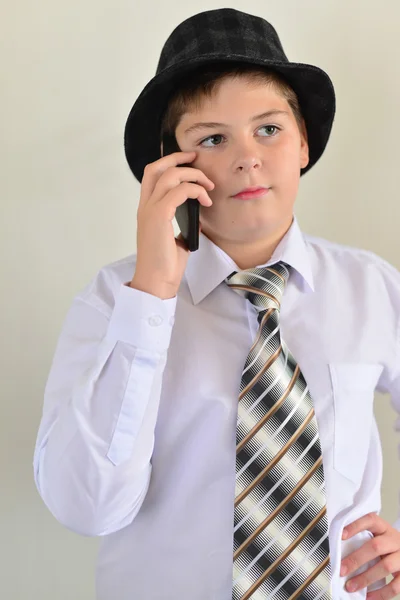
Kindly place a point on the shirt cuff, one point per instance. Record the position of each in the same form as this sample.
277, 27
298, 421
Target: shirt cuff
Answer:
141, 319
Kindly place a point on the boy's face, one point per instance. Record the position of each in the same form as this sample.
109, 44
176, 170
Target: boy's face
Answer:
243, 153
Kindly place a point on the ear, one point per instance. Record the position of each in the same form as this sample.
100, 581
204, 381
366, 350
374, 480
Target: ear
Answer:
304, 150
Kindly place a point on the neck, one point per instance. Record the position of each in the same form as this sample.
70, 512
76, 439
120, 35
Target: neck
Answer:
248, 255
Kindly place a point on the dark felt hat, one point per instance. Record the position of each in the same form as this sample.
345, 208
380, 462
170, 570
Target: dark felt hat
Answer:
229, 36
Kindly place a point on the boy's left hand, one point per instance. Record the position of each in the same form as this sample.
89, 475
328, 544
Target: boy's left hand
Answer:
385, 544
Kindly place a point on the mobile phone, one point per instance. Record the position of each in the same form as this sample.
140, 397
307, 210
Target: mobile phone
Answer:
187, 214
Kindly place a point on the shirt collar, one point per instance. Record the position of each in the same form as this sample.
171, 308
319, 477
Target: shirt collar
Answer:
208, 266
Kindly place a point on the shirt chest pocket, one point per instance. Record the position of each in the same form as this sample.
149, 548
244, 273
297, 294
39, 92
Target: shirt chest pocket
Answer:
353, 387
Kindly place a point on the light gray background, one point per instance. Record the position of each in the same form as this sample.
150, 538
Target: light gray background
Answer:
70, 72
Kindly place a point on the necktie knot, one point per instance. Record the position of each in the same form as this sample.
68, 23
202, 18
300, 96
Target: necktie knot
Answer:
262, 286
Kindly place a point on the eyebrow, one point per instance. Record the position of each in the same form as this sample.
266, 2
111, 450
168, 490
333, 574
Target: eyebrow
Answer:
212, 125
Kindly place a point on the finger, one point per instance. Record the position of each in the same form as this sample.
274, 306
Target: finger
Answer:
178, 195
153, 171
387, 592
371, 522
383, 546
375, 573
359, 557
177, 177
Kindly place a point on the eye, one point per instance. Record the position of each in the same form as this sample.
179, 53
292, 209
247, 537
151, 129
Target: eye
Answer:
212, 137
218, 135
270, 127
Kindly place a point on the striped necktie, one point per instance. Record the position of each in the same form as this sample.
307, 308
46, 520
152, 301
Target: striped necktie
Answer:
281, 544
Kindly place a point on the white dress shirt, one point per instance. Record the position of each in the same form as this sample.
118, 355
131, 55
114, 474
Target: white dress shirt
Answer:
137, 438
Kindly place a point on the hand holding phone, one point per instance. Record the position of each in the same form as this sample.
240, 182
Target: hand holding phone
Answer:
187, 214
166, 185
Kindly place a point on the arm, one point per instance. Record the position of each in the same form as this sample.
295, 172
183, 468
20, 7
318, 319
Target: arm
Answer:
394, 389
387, 289
391, 385
93, 450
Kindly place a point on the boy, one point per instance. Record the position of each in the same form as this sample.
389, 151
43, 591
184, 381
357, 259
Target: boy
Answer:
154, 436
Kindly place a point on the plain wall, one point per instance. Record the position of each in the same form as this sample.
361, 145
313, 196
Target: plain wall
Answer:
70, 72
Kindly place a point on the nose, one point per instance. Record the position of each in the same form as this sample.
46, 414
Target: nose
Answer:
248, 164
247, 158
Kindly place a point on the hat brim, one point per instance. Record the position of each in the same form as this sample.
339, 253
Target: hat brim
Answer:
312, 85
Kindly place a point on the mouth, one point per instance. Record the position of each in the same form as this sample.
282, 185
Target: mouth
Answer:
255, 192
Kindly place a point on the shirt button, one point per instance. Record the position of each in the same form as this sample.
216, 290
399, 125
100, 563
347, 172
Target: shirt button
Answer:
156, 320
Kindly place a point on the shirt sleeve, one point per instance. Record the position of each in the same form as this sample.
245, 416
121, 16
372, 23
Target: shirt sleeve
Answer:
395, 401
92, 458
394, 391
390, 380
393, 388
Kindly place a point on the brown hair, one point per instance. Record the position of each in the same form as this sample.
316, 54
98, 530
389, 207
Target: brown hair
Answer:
204, 81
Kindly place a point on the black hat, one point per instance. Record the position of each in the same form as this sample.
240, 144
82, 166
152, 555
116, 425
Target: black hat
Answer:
229, 36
